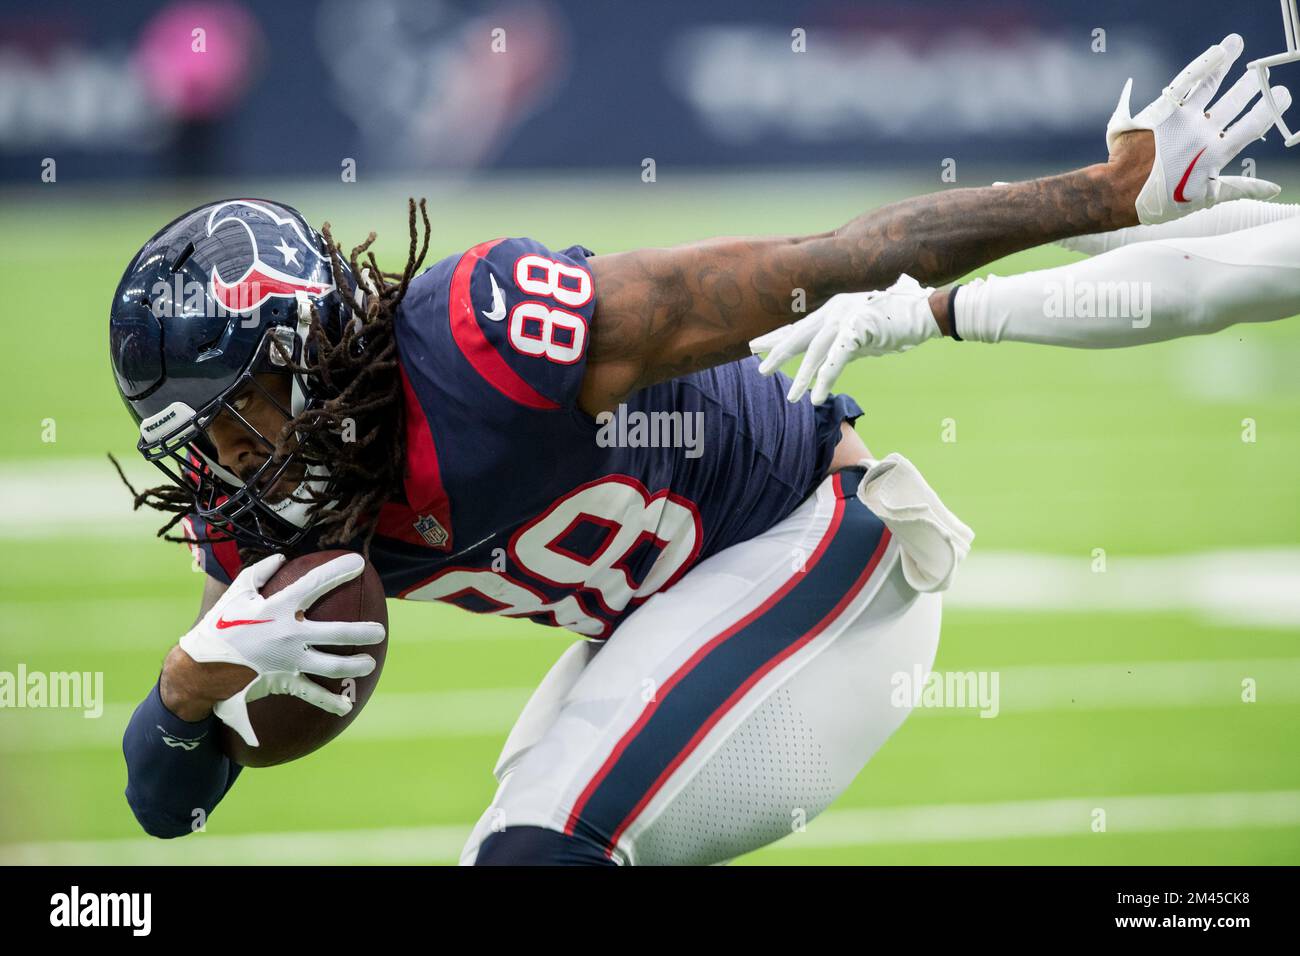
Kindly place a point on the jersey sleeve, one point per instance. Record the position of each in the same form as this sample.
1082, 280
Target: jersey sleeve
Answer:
521, 314
215, 555
174, 768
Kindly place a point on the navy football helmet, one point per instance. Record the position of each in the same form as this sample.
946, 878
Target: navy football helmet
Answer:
217, 297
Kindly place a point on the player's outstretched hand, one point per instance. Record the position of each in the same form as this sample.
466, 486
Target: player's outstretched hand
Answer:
271, 637
1194, 140
849, 326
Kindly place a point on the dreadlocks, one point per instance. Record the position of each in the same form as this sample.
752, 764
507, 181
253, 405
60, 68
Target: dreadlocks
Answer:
357, 433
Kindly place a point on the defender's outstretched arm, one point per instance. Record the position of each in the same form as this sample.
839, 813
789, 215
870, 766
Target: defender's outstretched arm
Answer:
1225, 217
661, 313
1134, 295
1146, 292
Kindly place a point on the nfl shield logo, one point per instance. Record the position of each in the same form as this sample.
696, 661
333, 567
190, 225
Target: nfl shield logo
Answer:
434, 534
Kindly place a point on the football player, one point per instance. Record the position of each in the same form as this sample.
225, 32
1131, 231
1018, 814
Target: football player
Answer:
742, 610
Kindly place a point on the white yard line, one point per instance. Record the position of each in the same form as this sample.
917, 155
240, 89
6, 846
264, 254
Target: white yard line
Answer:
939, 823
1258, 587
390, 716
66, 498
80, 497
962, 822
389, 845
1134, 685
491, 712
151, 620
76, 497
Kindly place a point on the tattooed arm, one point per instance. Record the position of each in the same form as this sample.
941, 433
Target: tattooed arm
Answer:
661, 313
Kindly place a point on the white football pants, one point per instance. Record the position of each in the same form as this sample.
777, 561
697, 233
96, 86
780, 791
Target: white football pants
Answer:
728, 711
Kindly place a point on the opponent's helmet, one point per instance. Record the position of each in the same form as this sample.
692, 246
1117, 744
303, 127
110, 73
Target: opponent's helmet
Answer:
220, 295
1290, 24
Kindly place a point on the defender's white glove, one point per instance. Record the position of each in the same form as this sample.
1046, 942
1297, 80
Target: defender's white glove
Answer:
266, 635
1194, 140
849, 326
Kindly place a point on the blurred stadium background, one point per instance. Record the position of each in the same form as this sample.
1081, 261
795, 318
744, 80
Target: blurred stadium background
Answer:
1121, 690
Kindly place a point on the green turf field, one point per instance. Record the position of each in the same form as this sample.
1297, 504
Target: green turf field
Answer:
1122, 692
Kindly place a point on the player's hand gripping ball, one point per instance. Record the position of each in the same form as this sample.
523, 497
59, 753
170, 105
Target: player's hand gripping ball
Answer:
314, 630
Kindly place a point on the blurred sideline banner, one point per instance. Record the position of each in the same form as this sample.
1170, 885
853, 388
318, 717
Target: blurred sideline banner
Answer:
147, 89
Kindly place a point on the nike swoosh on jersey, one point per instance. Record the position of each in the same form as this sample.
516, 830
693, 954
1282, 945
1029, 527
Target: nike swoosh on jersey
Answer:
498, 302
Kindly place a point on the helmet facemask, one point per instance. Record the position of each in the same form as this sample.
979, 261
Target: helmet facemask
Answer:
256, 509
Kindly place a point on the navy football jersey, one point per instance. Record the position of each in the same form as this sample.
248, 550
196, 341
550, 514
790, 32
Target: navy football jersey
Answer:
520, 503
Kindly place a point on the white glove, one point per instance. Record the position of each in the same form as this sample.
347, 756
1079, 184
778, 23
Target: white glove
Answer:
932, 539
1194, 140
266, 635
849, 326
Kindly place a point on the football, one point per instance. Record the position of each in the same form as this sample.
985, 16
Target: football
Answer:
288, 728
